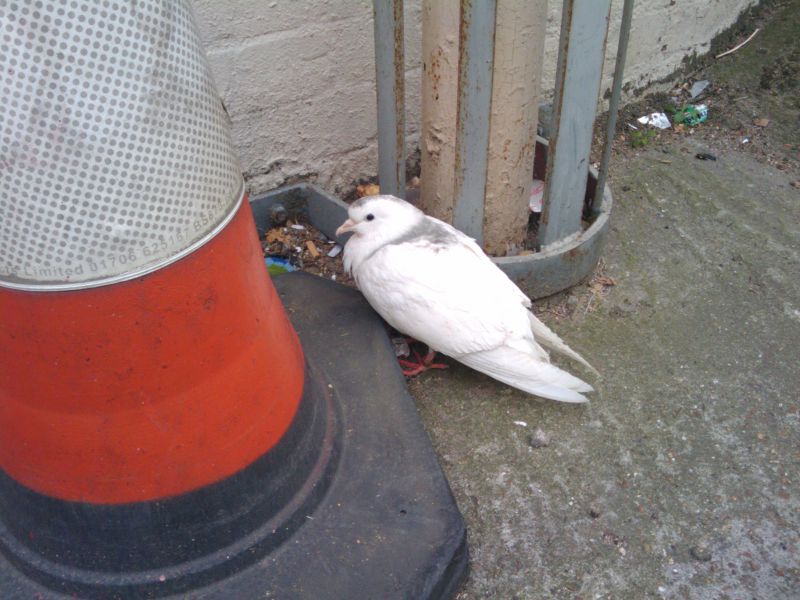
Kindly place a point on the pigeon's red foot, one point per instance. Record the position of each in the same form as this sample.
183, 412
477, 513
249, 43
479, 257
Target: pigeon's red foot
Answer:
411, 368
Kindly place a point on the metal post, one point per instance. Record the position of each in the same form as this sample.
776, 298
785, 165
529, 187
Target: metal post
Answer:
474, 104
390, 74
616, 89
517, 69
584, 28
441, 21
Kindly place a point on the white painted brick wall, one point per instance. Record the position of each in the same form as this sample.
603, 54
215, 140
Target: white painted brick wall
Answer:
298, 76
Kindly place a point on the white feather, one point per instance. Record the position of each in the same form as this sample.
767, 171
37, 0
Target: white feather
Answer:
430, 281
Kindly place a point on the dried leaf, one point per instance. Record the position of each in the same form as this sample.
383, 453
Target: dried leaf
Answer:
367, 189
276, 235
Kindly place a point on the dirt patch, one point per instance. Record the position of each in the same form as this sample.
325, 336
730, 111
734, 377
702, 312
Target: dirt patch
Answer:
753, 95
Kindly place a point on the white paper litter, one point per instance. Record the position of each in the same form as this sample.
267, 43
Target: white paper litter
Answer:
333, 252
521, 423
659, 120
537, 193
297, 226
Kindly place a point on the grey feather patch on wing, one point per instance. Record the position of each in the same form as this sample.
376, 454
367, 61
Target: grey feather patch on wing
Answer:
365, 199
426, 231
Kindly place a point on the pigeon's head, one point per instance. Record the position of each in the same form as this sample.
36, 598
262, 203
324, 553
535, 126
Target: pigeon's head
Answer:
380, 218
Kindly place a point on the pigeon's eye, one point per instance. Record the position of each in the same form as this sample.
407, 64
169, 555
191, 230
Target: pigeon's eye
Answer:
370, 216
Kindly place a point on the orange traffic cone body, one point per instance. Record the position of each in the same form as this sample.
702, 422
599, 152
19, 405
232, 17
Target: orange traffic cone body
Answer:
151, 387
162, 432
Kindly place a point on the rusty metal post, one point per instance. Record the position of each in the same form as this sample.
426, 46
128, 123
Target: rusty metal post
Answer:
518, 54
482, 63
584, 27
474, 103
390, 75
439, 90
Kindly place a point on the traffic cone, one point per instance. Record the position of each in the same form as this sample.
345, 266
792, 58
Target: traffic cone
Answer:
161, 429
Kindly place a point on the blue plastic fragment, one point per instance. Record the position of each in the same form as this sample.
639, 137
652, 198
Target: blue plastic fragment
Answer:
277, 265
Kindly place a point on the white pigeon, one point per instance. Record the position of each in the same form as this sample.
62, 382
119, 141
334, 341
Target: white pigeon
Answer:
431, 282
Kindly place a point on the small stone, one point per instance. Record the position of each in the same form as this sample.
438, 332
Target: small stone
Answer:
594, 511
700, 552
401, 349
539, 439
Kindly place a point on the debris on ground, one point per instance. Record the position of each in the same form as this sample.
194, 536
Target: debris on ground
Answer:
278, 266
312, 248
401, 347
691, 115
300, 246
658, 120
367, 189
698, 87
705, 156
735, 48
750, 96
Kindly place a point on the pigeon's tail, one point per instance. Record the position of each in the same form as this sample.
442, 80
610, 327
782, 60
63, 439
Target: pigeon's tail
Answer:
528, 374
546, 337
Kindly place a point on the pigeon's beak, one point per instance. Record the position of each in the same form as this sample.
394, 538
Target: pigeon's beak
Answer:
348, 225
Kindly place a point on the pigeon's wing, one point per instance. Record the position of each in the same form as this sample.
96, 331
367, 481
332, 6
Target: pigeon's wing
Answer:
498, 278
446, 295
524, 372
542, 334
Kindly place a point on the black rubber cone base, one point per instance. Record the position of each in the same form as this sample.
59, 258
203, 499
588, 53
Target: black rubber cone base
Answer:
388, 526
